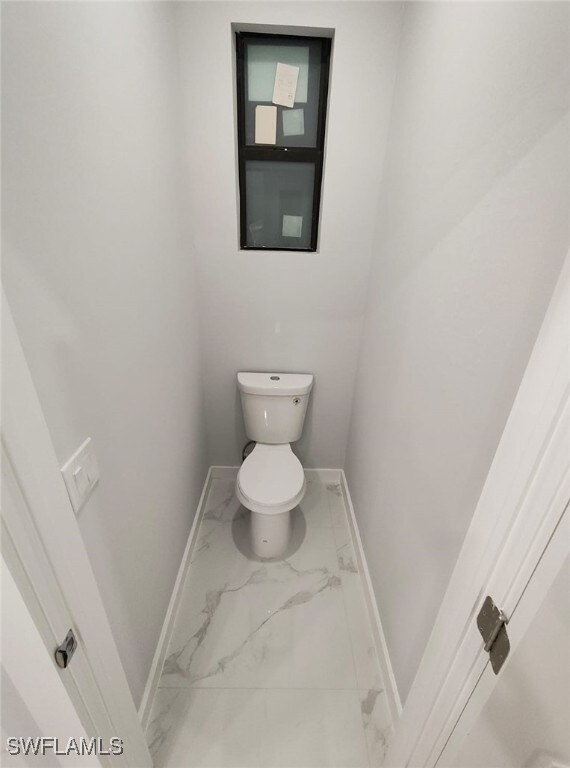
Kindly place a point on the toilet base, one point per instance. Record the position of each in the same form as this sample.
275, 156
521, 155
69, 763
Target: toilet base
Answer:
270, 534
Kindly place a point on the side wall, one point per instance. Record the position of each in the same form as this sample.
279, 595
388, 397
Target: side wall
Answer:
285, 311
472, 231
102, 292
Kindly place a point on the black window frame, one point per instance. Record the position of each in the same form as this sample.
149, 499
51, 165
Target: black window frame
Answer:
313, 155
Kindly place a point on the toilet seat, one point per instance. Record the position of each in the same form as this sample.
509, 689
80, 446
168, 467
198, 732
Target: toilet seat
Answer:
271, 480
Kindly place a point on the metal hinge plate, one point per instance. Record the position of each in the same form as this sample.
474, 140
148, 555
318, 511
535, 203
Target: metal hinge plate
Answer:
492, 626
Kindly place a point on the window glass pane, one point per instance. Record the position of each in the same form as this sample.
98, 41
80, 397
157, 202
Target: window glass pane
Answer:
296, 126
261, 64
279, 204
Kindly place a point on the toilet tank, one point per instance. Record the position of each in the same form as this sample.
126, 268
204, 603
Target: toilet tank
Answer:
274, 405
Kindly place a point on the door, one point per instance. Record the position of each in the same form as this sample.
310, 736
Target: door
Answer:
46, 557
521, 717
521, 509
35, 702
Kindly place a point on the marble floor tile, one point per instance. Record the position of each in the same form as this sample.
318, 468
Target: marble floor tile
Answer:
262, 624
363, 647
316, 729
377, 724
315, 503
337, 508
221, 503
300, 643
271, 663
209, 728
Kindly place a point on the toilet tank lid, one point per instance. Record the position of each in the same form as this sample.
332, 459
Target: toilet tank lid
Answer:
275, 383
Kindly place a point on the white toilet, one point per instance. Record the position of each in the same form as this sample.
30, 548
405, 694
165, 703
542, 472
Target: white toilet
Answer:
271, 481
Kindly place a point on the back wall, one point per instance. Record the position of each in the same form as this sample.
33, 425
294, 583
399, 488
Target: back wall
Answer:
285, 311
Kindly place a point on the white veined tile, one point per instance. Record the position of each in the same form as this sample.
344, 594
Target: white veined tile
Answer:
362, 640
315, 503
261, 623
221, 503
249, 728
339, 518
302, 644
209, 729
222, 555
271, 663
320, 729
377, 724
279, 628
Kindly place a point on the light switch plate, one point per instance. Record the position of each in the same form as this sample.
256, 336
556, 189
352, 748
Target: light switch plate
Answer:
81, 474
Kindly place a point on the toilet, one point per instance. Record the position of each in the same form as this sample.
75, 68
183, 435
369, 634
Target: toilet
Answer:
271, 481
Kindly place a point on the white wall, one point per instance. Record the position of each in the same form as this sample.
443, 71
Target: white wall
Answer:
102, 292
283, 311
472, 230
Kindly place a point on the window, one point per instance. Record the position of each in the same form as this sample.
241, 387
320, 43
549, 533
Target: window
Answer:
282, 85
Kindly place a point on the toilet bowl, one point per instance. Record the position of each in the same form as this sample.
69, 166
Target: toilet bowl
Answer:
270, 483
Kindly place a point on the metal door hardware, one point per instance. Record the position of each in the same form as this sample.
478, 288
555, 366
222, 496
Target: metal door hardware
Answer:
65, 651
492, 626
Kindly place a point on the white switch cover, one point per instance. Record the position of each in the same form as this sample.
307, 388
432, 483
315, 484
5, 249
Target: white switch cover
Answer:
81, 475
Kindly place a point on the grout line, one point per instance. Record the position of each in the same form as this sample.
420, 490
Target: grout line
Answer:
252, 688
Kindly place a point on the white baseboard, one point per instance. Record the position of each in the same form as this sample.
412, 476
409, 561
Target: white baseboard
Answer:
393, 696
160, 653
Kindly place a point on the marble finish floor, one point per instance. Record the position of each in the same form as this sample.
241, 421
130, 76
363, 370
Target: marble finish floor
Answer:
271, 664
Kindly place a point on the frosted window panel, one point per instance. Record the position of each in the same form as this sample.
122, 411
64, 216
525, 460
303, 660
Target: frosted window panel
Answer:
279, 204
262, 64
